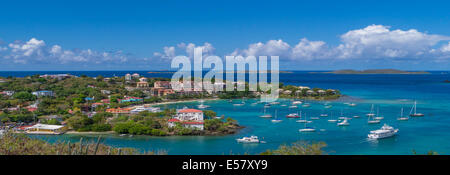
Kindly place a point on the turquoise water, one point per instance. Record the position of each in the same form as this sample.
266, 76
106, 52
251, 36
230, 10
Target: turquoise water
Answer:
389, 93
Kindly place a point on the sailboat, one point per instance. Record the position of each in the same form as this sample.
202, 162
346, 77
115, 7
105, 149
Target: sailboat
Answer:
302, 121
402, 118
371, 114
342, 115
372, 121
332, 120
306, 128
415, 114
240, 104
378, 115
276, 120
293, 115
265, 115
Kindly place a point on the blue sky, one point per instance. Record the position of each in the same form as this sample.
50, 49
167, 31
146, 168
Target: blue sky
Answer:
125, 35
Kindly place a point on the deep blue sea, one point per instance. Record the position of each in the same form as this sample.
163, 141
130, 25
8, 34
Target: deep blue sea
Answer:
389, 93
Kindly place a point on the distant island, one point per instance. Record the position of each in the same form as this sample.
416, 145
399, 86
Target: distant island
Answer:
374, 71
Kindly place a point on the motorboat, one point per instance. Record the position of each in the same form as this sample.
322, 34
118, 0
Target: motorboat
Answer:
384, 132
343, 123
251, 139
293, 115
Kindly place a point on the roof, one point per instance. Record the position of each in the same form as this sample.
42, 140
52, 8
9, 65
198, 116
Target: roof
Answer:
44, 126
190, 111
173, 120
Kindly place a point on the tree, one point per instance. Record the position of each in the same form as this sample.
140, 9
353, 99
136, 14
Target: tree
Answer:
25, 96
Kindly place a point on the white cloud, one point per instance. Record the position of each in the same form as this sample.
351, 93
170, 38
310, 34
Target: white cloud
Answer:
371, 42
169, 52
36, 51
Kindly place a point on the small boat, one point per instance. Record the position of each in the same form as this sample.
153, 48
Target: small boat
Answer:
283, 105
267, 105
293, 115
324, 115
379, 118
251, 139
307, 129
344, 123
297, 102
303, 121
356, 116
402, 118
274, 103
373, 121
352, 104
306, 105
293, 107
384, 132
202, 106
328, 106
314, 118
276, 120
122, 135
239, 104
413, 112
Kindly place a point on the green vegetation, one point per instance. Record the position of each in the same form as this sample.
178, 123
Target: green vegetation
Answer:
20, 144
298, 148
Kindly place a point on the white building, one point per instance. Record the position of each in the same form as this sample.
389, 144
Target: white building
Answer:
142, 108
188, 118
128, 77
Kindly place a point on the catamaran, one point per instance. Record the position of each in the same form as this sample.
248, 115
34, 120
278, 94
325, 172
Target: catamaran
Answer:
251, 139
276, 120
384, 132
402, 118
414, 109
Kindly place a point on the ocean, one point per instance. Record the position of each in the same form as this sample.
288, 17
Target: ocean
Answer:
388, 93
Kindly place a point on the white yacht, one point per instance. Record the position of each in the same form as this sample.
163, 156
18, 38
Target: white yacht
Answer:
402, 118
202, 106
384, 132
343, 123
251, 139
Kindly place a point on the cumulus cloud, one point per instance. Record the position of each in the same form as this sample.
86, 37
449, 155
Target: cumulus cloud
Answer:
371, 42
169, 52
37, 51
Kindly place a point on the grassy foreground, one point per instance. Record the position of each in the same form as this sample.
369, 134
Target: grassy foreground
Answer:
20, 144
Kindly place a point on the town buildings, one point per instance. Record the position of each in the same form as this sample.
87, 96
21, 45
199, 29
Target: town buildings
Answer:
43, 93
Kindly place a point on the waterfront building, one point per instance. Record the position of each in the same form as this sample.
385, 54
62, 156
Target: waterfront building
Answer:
162, 84
46, 129
136, 75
